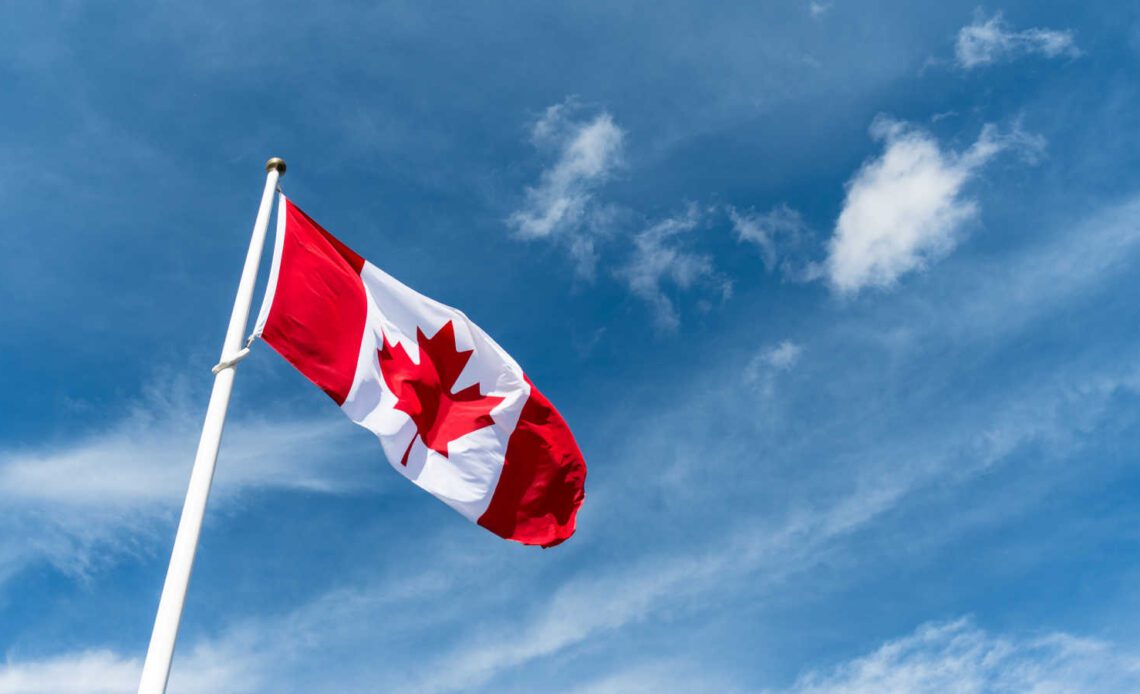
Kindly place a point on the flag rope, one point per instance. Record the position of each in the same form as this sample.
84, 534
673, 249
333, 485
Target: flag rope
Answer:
232, 361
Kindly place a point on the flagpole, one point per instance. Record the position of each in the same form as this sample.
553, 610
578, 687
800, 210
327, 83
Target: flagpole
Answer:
156, 669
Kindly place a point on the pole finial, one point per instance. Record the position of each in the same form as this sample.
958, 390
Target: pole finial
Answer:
276, 163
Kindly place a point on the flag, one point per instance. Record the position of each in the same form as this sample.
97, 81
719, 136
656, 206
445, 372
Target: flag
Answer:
454, 413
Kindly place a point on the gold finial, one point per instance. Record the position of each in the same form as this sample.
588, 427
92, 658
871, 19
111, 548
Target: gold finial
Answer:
276, 163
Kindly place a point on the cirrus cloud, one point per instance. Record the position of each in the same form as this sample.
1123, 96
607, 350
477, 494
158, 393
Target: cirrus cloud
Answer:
960, 657
988, 41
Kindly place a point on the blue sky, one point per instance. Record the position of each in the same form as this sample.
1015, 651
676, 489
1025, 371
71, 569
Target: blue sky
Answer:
837, 297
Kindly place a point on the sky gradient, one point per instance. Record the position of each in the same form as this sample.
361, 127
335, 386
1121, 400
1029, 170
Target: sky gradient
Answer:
837, 297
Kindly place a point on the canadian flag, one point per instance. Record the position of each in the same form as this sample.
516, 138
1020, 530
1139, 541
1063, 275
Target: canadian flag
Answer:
454, 413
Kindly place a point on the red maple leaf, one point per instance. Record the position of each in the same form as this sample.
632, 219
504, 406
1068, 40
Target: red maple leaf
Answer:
423, 390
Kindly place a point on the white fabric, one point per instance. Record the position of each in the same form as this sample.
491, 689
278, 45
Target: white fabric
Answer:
271, 283
465, 479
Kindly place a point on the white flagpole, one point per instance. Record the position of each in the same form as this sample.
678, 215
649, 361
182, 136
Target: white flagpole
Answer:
156, 669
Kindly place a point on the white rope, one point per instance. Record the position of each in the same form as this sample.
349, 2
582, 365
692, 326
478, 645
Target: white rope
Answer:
231, 362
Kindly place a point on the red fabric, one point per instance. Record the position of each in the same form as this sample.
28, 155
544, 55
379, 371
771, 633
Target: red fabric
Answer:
543, 479
319, 307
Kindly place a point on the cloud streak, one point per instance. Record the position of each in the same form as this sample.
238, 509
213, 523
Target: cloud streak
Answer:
960, 657
888, 475
780, 234
873, 479
205, 669
112, 491
660, 257
87, 672
989, 41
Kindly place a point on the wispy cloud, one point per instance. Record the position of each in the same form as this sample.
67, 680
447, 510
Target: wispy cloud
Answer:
991, 40
888, 475
905, 208
780, 234
659, 677
87, 672
564, 208
252, 654
817, 9
112, 491
783, 356
770, 362
993, 302
960, 657
592, 607
205, 669
767, 229
660, 256
938, 657
766, 554
586, 152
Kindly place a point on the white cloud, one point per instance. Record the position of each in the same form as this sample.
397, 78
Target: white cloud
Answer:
887, 475
774, 233
592, 606
255, 655
937, 658
905, 208
561, 205
769, 554
783, 356
959, 657
658, 257
116, 490
766, 551
766, 366
658, 677
987, 41
563, 208
817, 9
1048, 275
205, 669
88, 672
